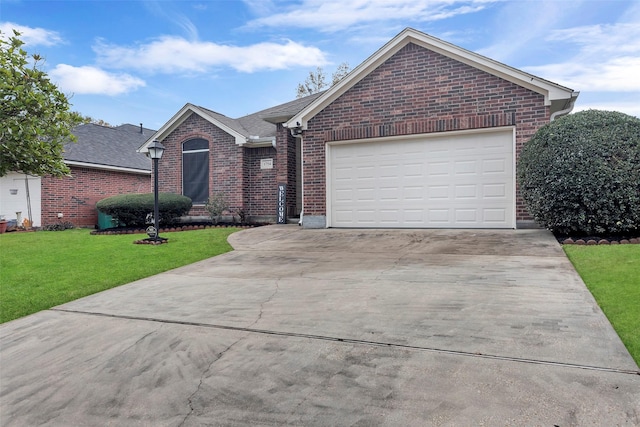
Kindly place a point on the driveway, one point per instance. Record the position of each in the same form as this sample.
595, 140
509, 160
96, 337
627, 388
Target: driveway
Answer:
331, 327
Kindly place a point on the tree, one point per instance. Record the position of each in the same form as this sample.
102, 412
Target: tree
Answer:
317, 80
35, 121
100, 122
579, 174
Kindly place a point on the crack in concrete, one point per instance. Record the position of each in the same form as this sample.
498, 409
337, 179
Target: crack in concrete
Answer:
363, 342
139, 340
268, 300
202, 377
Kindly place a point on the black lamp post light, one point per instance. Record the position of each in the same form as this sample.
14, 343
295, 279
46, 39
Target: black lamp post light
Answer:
155, 151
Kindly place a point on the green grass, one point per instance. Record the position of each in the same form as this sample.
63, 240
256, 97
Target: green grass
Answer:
612, 274
47, 268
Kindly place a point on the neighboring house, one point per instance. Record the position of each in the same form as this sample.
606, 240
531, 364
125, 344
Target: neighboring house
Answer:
104, 162
421, 134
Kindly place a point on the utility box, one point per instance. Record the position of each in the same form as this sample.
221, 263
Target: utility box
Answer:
106, 221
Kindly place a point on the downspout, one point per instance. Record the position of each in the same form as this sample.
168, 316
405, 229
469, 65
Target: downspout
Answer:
572, 103
297, 133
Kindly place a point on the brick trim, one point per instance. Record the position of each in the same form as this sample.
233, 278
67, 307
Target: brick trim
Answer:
422, 126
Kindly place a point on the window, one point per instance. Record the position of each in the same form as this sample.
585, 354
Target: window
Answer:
195, 170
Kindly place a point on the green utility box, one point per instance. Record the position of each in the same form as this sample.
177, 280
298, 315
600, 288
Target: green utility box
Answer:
106, 221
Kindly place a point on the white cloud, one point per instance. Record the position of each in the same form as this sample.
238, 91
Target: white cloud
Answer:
177, 55
337, 15
603, 75
31, 36
621, 38
92, 80
608, 58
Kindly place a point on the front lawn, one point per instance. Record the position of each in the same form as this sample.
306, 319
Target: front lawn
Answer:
612, 274
43, 269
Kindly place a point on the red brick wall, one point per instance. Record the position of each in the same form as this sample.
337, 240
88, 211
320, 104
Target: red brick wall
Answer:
418, 91
225, 161
287, 167
261, 191
76, 196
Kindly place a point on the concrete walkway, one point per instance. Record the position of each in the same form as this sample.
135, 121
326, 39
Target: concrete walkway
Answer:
331, 328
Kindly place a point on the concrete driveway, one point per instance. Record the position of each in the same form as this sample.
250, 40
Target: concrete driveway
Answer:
331, 327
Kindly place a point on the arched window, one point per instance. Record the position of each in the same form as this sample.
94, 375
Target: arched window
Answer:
195, 170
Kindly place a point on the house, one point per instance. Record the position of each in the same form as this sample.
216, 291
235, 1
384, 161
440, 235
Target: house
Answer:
421, 134
104, 162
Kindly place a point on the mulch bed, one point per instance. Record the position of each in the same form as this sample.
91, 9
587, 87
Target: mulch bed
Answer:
172, 228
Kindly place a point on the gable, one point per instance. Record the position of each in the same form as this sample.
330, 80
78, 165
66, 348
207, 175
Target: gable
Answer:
558, 98
416, 84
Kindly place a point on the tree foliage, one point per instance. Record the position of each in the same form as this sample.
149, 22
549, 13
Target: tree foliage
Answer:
580, 174
316, 81
35, 121
100, 122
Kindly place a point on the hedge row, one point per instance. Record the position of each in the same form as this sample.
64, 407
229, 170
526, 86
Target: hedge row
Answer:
132, 209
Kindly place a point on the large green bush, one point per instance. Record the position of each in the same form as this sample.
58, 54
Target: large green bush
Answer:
132, 209
580, 174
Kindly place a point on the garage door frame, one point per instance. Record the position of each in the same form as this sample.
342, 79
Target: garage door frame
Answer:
436, 135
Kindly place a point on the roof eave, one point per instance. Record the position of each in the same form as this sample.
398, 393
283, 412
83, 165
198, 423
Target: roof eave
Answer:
180, 117
108, 167
260, 142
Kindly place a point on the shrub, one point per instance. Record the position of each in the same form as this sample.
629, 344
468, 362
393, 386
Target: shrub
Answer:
59, 226
580, 174
216, 205
132, 209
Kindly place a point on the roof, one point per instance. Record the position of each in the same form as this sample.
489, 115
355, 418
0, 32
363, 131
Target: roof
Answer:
113, 148
559, 98
257, 129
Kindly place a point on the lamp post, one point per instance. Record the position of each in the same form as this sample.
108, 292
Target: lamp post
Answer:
155, 151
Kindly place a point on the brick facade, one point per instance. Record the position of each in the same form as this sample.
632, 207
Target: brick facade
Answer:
418, 91
260, 189
415, 91
234, 170
76, 196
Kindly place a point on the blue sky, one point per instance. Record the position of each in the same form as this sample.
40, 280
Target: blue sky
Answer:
141, 61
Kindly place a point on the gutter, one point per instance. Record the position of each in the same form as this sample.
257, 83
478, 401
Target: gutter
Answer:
257, 141
107, 167
571, 102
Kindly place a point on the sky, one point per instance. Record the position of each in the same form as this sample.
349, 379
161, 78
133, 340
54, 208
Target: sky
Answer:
142, 61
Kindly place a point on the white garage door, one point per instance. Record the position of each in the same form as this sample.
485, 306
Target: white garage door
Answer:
461, 180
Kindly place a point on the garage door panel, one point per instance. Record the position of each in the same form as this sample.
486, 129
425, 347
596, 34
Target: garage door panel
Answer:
494, 166
448, 181
467, 191
497, 190
438, 192
466, 167
494, 216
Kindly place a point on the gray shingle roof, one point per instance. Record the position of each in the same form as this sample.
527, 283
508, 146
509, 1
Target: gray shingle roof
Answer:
262, 123
109, 146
